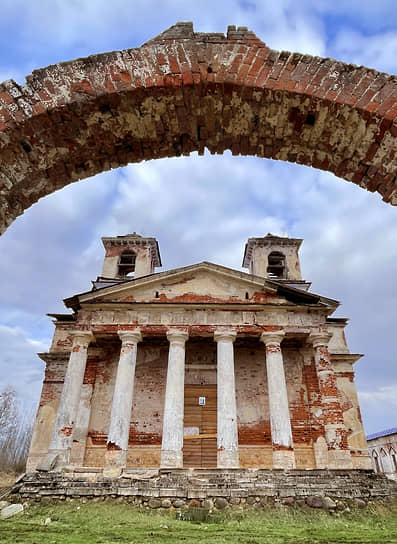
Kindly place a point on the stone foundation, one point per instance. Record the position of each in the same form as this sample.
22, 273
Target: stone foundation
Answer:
179, 487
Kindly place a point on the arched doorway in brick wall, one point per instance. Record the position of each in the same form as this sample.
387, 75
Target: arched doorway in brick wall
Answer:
183, 92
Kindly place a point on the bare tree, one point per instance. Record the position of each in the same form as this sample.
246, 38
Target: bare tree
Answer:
16, 426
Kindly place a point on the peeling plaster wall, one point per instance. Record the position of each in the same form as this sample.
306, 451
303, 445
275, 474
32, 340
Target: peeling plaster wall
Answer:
61, 340
351, 413
261, 255
197, 286
252, 406
143, 262
255, 445
200, 361
46, 413
101, 402
149, 393
147, 408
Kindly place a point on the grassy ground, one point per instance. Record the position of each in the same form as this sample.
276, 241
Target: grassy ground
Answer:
110, 523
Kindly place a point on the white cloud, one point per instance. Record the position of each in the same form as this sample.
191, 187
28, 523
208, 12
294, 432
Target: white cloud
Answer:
387, 393
377, 51
378, 407
52, 31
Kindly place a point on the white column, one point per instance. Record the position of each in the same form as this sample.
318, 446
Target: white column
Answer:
227, 436
339, 456
119, 428
172, 441
280, 423
62, 439
81, 426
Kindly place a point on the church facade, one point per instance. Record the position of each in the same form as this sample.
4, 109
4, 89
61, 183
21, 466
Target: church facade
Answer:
200, 366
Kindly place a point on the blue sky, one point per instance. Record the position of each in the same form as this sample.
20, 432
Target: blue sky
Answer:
203, 208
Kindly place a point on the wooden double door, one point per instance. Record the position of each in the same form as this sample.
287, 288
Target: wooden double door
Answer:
199, 444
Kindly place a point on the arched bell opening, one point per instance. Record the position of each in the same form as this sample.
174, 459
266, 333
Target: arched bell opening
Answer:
276, 267
126, 264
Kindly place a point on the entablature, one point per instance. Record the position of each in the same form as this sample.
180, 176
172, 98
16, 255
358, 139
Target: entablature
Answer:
344, 361
202, 315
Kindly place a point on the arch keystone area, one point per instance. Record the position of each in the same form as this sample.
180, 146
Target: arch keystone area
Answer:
185, 91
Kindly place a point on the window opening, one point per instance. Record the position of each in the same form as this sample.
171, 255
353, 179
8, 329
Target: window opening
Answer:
383, 460
276, 265
376, 461
394, 458
126, 263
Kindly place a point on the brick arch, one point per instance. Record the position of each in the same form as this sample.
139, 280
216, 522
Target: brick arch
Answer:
183, 92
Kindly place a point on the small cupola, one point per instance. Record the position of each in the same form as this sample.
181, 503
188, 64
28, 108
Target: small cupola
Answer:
273, 257
130, 256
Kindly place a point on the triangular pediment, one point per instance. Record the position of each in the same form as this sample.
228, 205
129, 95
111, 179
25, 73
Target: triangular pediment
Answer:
202, 283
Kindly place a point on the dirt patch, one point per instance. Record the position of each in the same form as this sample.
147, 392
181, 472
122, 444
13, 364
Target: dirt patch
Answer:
7, 479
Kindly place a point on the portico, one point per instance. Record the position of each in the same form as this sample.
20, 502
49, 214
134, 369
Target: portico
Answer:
176, 433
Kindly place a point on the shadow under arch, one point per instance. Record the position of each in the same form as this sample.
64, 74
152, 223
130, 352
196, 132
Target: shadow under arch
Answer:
184, 91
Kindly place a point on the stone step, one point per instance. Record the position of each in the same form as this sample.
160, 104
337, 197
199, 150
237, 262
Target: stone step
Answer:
198, 483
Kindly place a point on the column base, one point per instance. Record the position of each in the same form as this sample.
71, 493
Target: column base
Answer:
171, 459
284, 459
112, 472
320, 449
228, 459
340, 459
54, 460
115, 462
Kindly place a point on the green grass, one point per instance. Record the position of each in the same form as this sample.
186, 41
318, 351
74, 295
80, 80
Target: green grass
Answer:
110, 523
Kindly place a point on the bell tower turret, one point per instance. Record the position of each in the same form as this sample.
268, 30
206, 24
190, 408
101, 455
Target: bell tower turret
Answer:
274, 258
130, 256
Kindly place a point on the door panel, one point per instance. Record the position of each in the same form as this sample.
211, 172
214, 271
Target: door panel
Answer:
199, 445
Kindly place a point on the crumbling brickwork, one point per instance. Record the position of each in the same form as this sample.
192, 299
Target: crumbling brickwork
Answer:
185, 91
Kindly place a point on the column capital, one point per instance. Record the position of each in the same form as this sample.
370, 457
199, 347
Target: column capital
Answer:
225, 336
272, 337
177, 335
319, 338
134, 336
82, 337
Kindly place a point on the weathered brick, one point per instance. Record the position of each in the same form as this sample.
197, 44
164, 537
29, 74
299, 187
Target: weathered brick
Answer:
88, 89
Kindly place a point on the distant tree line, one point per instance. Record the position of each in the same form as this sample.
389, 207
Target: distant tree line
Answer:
16, 427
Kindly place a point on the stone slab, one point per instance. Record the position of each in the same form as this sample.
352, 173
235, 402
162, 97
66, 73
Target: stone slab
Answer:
11, 510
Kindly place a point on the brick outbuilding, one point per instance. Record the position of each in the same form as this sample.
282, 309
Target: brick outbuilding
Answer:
382, 447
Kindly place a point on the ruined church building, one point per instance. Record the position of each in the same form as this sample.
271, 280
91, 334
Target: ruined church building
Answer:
201, 366
242, 378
